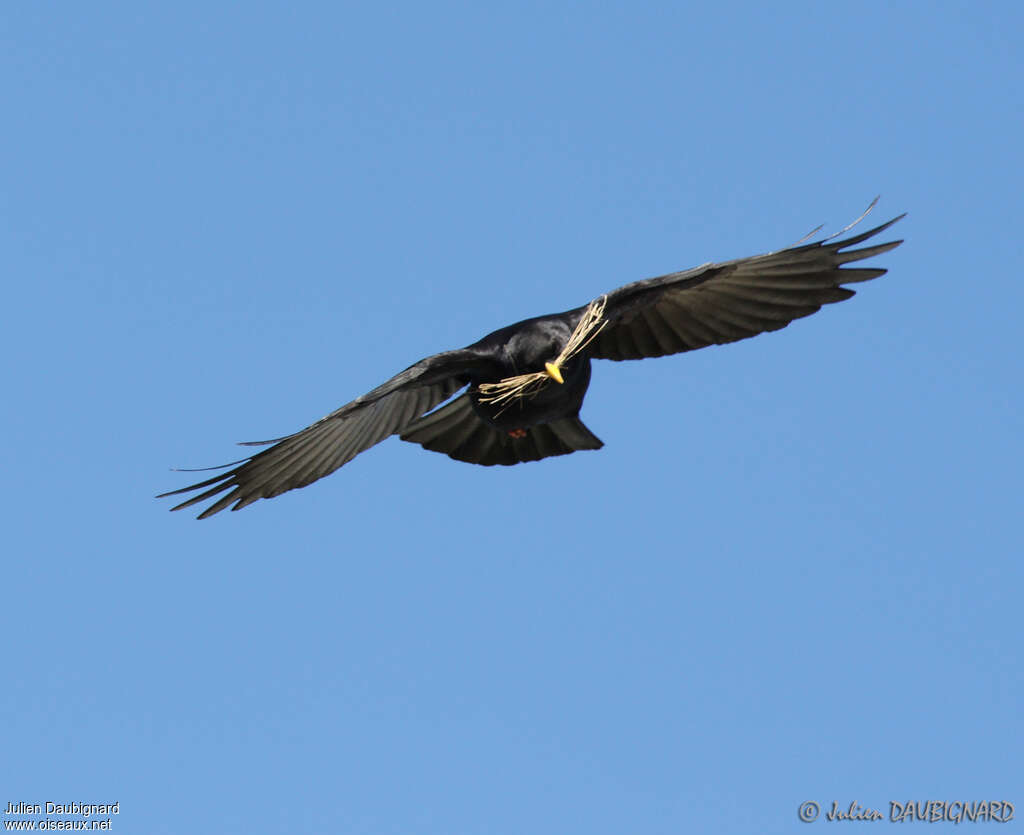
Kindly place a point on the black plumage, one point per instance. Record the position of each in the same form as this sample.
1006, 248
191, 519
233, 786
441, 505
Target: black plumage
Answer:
707, 305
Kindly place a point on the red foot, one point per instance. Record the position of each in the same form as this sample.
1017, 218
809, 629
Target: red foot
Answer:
517, 433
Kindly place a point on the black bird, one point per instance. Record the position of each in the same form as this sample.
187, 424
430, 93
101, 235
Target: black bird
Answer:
526, 381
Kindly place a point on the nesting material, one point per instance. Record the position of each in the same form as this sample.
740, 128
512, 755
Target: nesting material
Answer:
507, 391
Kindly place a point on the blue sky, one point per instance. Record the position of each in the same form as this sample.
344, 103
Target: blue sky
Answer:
792, 574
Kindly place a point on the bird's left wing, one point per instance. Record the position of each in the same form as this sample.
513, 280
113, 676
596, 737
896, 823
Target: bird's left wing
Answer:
718, 303
310, 454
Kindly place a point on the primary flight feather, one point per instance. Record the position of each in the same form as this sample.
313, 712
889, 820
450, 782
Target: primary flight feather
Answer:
525, 383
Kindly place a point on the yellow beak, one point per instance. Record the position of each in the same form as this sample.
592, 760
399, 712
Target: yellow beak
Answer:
554, 372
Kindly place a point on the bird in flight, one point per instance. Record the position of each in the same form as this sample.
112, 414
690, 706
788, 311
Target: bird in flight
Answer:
525, 383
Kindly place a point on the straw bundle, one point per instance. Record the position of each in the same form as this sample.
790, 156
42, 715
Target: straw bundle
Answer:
510, 389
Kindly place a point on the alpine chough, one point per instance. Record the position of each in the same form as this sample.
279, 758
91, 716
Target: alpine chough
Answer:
525, 383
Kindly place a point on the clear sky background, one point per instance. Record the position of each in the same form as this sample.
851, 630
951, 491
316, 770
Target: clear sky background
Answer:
793, 573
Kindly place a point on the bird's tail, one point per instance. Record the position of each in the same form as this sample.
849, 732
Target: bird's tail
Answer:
457, 430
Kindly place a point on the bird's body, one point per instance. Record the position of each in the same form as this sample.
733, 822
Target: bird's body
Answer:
525, 383
524, 348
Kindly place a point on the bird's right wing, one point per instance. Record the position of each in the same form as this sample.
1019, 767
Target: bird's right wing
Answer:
718, 303
310, 454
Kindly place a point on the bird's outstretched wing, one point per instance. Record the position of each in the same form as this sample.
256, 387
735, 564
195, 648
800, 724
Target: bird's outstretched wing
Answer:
718, 303
300, 459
